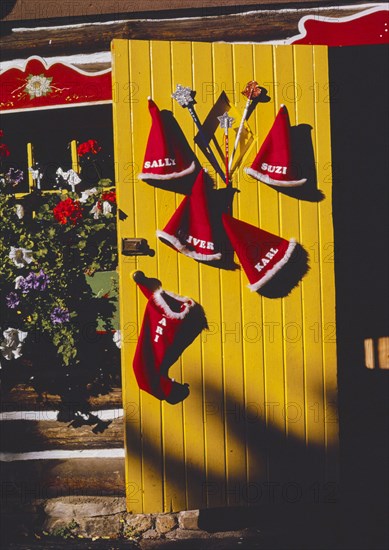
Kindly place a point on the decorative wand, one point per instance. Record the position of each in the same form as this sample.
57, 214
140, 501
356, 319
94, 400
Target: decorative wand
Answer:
184, 96
226, 122
251, 91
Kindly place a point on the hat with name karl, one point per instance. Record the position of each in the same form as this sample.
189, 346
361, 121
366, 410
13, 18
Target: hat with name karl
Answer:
260, 253
189, 230
274, 164
165, 156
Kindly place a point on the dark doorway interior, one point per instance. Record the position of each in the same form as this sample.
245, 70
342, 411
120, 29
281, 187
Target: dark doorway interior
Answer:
360, 127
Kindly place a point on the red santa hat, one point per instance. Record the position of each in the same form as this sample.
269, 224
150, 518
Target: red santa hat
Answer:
274, 164
260, 253
189, 230
161, 328
165, 158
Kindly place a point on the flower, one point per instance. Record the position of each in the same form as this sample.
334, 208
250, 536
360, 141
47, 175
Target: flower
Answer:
67, 210
117, 338
20, 256
87, 193
109, 196
42, 280
14, 176
12, 300
4, 151
11, 346
60, 315
19, 211
38, 85
107, 208
33, 281
71, 177
90, 146
20, 284
35, 172
96, 210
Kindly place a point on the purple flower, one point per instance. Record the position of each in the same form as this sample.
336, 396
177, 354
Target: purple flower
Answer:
22, 284
33, 281
42, 280
12, 300
60, 315
37, 281
15, 176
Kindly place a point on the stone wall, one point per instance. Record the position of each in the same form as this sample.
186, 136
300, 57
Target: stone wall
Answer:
101, 517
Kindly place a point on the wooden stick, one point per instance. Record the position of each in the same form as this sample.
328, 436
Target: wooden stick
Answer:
251, 91
183, 95
226, 122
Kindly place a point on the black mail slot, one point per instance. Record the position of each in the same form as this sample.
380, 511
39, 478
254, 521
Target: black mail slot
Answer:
135, 247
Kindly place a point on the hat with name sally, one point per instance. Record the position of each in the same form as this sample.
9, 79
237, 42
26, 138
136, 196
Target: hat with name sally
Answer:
165, 158
260, 253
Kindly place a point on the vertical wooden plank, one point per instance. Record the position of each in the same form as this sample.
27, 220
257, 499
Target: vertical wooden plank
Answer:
271, 308
213, 489
231, 307
30, 162
189, 274
286, 93
252, 413
172, 415
129, 322
140, 87
328, 328
311, 295
74, 155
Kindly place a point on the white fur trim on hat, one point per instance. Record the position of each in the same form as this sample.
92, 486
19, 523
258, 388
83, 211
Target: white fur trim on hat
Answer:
184, 250
275, 268
265, 178
160, 301
173, 175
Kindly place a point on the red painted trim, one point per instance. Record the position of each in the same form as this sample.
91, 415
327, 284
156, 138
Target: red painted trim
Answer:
43, 86
367, 27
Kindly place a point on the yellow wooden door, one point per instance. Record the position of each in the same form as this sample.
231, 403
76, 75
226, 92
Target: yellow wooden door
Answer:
260, 423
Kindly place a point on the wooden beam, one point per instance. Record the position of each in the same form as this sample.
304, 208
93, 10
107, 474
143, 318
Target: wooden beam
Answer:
20, 436
253, 27
25, 398
377, 353
41, 479
27, 10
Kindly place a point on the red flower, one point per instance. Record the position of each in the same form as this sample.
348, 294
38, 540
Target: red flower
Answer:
1, 133
90, 146
67, 210
109, 196
4, 151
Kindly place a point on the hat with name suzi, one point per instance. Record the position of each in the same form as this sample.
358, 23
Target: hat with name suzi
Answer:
274, 164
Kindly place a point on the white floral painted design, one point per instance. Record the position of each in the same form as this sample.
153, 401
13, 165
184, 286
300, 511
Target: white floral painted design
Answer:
38, 85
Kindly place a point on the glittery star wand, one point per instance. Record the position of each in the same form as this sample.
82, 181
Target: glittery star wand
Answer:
251, 91
225, 123
184, 96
